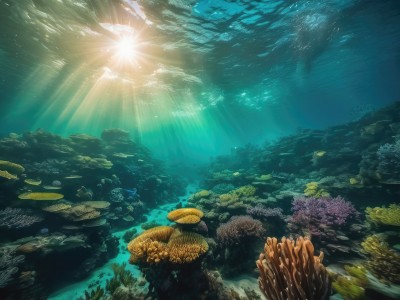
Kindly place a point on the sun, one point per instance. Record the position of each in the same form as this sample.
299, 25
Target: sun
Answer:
125, 49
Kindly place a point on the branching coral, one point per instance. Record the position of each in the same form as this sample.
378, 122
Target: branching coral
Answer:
384, 262
289, 270
15, 218
383, 215
8, 265
317, 213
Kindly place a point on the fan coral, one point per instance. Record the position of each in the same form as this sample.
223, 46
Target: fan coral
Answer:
315, 213
289, 270
239, 229
383, 215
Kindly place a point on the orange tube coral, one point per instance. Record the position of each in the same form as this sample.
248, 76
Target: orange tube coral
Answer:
289, 270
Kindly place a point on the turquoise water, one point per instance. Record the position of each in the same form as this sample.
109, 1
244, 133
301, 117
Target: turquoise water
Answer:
116, 112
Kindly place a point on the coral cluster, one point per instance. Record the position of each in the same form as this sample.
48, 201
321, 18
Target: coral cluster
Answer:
16, 218
384, 215
239, 230
317, 213
384, 262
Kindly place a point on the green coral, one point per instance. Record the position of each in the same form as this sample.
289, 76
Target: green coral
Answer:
121, 277
312, 190
245, 191
383, 262
201, 194
348, 288
358, 272
384, 215
96, 294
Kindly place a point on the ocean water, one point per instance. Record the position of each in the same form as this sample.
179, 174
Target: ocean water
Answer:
265, 118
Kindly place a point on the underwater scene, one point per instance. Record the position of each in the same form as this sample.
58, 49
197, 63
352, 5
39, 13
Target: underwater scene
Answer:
199, 149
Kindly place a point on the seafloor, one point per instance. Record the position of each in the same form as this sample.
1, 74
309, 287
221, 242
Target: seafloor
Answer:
83, 217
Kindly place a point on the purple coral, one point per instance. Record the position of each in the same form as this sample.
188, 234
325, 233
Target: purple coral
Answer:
238, 230
317, 213
261, 212
15, 218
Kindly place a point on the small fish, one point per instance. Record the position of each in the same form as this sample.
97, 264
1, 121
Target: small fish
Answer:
131, 192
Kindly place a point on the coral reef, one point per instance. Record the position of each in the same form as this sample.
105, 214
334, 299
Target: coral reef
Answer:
289, 270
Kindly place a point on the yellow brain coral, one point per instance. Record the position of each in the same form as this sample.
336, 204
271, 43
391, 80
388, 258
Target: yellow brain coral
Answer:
185, 215
383, 215
186, 247
139, 246
164, 243
40, 196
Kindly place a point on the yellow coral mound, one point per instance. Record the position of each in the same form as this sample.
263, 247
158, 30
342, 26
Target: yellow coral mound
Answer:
312, 190
164, 243
185, 215
186, 247
40, 196
11, 167
383, 215
139, 246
